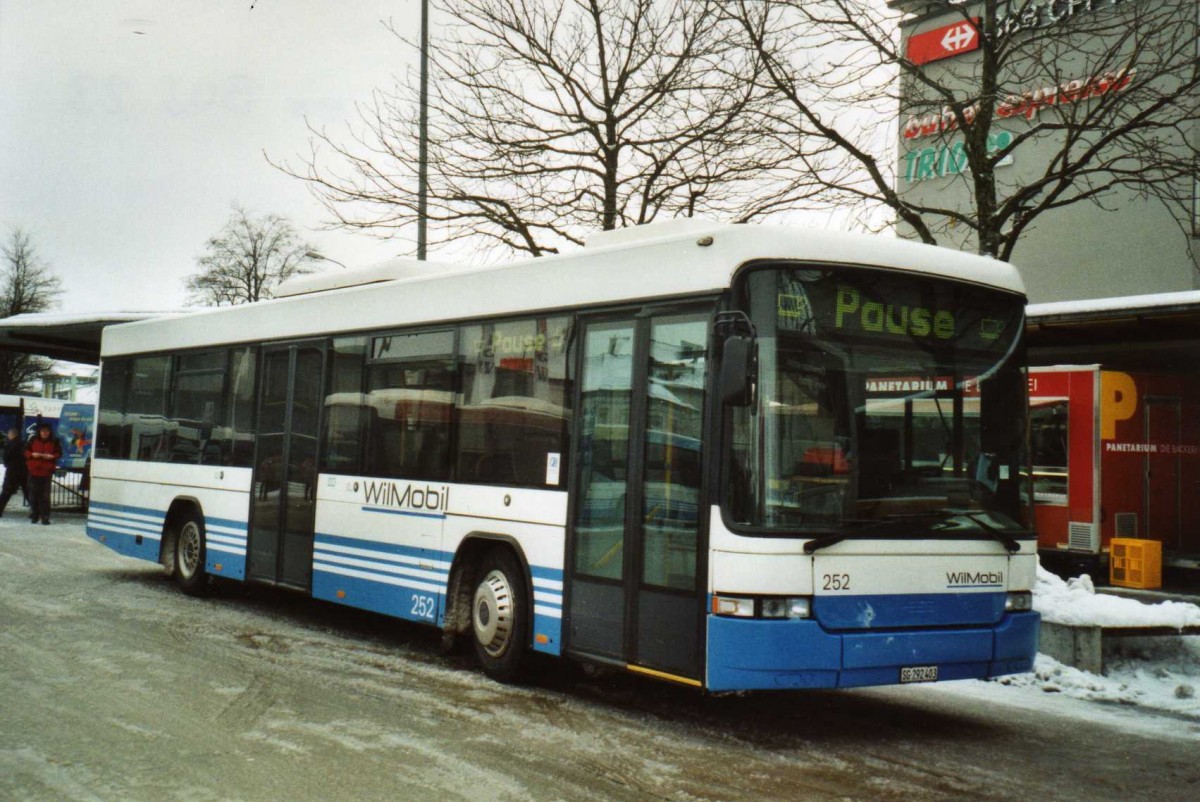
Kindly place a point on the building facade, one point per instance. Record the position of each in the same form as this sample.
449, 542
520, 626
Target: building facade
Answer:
1068, 75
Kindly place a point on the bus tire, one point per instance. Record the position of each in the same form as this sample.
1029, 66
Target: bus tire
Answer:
499, 615
189, 542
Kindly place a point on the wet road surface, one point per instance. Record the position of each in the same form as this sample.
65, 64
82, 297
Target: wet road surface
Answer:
116, 686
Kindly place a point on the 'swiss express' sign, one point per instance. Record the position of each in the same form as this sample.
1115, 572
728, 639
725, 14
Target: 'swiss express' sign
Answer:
1027, 104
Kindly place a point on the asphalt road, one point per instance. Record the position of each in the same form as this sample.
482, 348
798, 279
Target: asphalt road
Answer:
113, 686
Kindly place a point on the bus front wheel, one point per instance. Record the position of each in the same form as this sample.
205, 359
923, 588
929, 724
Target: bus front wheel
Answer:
499, 615
190, 555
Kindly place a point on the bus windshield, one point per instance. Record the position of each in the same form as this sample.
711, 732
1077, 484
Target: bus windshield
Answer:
886, 402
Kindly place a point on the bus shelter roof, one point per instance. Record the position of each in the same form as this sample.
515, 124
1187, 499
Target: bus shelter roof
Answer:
1160, 332
73, 337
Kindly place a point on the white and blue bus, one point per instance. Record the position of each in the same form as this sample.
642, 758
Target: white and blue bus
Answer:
735, 457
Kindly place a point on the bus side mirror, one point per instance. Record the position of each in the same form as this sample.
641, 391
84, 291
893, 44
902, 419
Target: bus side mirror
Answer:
739, 371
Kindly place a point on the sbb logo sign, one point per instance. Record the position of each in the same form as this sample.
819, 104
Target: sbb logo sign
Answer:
949, 40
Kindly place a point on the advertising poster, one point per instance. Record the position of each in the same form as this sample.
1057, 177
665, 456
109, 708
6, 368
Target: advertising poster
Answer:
75, 431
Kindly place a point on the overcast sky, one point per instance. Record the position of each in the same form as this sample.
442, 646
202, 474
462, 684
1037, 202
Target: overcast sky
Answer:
129, 127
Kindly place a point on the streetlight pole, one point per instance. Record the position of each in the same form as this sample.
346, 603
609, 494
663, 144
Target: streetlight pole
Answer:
318, 256
423, 143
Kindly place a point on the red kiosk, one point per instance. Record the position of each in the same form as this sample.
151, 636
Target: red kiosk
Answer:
1115, 454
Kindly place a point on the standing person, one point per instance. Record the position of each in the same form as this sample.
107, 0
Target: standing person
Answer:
15, 472
41, 457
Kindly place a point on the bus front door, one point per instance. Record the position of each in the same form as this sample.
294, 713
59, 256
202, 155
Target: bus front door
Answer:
636, 559
283, 498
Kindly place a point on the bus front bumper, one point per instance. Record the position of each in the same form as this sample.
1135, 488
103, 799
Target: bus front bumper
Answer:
777, 654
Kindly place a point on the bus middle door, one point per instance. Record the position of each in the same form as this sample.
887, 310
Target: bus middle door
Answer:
283, 495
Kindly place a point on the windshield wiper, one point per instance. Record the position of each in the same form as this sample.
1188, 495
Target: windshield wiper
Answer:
823, 541
996, 533
1011, 545
861, 526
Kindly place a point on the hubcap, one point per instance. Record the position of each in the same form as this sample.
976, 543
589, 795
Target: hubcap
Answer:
189, 550
493, 613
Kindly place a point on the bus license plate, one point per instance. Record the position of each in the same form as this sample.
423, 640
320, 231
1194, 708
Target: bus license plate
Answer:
918, 674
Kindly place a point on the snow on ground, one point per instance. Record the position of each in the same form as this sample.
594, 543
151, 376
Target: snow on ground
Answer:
1155, 673
1075, 601
1131, 697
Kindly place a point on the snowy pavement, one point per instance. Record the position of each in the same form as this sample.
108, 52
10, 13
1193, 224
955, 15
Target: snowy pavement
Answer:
1154, 673
1155, 680
1159, 673
115, 686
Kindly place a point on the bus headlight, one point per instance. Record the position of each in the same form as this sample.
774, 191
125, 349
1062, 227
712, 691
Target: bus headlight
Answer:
790, 607
1020, 601
768, 607
732, 605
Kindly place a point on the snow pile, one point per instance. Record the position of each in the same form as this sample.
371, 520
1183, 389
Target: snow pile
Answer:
1157, 673
1076, 602
1160, 673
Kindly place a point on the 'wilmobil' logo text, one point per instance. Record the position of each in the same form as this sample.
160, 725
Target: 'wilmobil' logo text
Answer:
408, 497
969, 579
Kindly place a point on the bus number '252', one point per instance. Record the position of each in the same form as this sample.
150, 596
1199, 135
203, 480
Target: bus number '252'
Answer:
836, 582
423, 606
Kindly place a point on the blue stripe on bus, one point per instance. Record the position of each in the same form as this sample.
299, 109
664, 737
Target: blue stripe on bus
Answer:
103, 505
225, 560
553, 574
121, 526
129, 526
323, 538
381, 577
161, 515
554, 602
124, 542
410, 513
386, 578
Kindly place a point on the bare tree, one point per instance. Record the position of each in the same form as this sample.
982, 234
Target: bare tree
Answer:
29, 285
1097, 98
553, 118
248, 259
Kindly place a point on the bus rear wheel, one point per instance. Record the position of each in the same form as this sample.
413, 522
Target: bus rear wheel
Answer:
499, 615
190, 555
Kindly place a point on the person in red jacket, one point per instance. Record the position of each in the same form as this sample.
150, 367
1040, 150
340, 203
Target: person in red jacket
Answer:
41, 457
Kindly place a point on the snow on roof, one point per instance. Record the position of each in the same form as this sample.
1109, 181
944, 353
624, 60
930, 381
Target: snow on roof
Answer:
73, 336
46, 319
391, 270
87, 395
1128, 303
660, 262
67, 369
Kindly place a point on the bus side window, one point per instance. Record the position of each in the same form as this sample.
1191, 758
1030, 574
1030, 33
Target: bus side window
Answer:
347, 430
514, 411
195, 420
146, 408
239, 448
112, 435
410, 395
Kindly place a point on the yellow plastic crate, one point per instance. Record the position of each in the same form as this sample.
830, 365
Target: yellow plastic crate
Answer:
1135, 563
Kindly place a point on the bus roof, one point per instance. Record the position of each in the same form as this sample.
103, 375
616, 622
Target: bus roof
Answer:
658, 261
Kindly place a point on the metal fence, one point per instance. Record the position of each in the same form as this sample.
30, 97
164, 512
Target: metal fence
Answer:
68, 492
